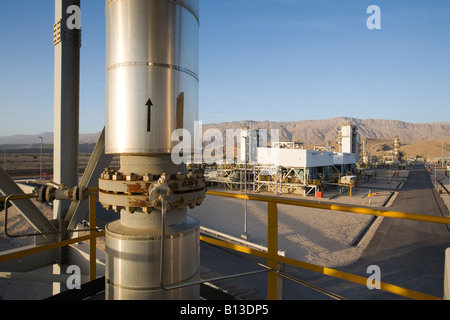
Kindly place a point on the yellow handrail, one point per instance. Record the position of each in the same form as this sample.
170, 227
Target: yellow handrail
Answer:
19, 197
272, 254
334, 207
274, 259
92, 236
319, 269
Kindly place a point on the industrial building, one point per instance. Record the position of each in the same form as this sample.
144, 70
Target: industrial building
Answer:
286, 167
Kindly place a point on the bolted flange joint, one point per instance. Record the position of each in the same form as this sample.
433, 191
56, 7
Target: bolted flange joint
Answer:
146, 191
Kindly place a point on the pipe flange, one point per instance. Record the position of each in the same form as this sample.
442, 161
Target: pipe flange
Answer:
118, 202
131, 191
142, 186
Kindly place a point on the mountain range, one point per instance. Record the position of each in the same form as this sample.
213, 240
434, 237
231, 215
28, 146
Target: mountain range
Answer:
308, 132
319, 131
34, 140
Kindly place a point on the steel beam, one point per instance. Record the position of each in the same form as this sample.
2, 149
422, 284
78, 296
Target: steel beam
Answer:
27, 208
97, 162
67, 43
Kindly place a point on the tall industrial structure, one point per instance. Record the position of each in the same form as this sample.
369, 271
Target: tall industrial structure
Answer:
249, 143
396, 148
151, 90
349, 139
393, 158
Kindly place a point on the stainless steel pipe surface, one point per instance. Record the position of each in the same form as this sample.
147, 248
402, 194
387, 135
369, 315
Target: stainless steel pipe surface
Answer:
151, 73
151, 90
133, 262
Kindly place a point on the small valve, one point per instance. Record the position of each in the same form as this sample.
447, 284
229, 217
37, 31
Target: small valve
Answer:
47, 194
160, 191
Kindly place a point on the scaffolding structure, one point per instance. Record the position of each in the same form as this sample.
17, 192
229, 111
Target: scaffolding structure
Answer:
270, 178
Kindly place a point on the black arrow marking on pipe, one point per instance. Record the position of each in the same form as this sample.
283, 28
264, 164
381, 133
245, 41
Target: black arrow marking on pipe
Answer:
149, 104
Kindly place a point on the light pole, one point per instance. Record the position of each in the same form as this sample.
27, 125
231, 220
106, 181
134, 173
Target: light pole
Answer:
443, 146
42, 143
245, 141
435, 178
245, 235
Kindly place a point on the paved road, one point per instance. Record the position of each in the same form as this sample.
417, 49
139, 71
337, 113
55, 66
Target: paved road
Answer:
410, 254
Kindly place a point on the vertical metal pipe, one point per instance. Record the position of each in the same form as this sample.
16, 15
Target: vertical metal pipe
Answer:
151, 69
151, 90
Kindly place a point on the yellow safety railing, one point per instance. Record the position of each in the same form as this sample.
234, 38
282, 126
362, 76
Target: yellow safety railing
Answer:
274, 260
272, 230
92, 236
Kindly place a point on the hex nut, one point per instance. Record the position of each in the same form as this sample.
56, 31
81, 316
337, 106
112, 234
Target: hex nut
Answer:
148, 177
117, 176
132, 177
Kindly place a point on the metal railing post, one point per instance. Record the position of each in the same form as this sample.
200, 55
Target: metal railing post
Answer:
92, 240
447, 275
272, 250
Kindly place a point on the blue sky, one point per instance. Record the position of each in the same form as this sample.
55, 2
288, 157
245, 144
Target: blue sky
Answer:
278, 60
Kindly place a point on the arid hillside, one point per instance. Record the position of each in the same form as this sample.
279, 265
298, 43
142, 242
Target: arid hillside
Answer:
416, 138
319, 131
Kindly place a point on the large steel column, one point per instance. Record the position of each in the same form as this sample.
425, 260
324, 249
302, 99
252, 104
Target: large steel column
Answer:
151, 90
67, 43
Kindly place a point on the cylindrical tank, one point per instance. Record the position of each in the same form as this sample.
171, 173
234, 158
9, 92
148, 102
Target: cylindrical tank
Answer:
133, 262
151, 73
151, 90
